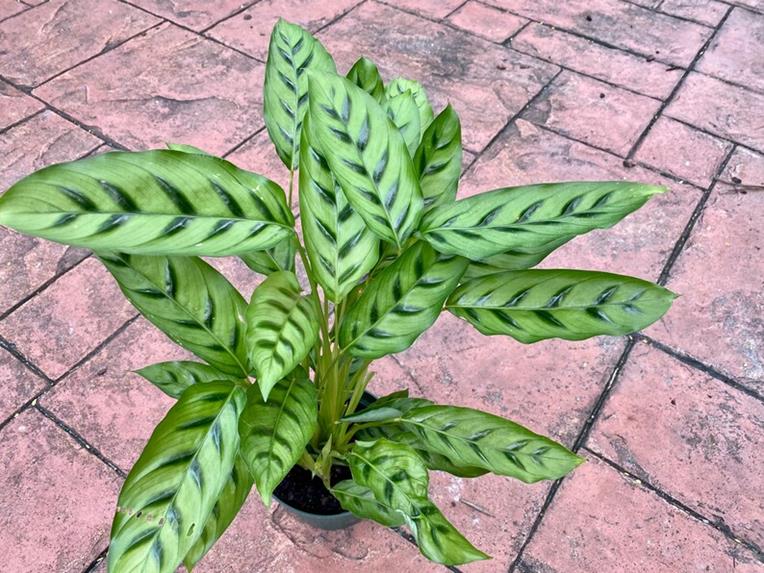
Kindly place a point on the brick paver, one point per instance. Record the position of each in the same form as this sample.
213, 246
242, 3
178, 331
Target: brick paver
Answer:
669, 92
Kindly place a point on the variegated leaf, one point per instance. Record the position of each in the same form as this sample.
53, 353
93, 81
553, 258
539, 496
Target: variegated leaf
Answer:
282, 327
292, 53
173, 487
366, 155
474, 439
438, 159
535, 304
341, 249
274, 433
514, 260
401, 302
360, 501
278, 258
174, 377
150, 202
365, 75
401, 85
402, 110
397, 477
528, 217
190, 302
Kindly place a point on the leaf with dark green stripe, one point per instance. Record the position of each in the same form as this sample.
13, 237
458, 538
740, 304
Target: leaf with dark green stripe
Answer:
401, 302
282, 327
341, 249
360, 501
293, 52
397, 477
365, 75
514, 260
277, 258
274, 433
471, 438
442, 463
173, 378
172, 489
402, 85
230, 501
438, 159
367, 156
190, 302
403, 112
150, 202
536, 304
528, 217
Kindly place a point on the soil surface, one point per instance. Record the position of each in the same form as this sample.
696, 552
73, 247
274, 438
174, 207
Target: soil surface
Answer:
308, 494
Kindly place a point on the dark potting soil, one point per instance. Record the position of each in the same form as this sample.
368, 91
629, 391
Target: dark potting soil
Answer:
308, 494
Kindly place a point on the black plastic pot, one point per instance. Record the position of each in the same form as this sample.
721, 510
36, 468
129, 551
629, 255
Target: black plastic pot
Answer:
332, 521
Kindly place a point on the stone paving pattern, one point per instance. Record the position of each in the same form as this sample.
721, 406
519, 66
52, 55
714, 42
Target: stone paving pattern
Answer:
671, 420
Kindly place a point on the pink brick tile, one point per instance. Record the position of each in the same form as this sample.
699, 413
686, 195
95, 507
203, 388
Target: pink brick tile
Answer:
638, 245
167, 85
18, 384
708, 12
61, 33
56, 329
683, 151
237, 273
272, 540
720, 276
259, 155
735, 54
593, 112
10, 7
110, 406
57, 499
431, 8
621, 24
250, 31
486, 84
633, 72
722, 109
194, 14
487, 21
744, 168
752, 4
15, 105
601, 521
689, 435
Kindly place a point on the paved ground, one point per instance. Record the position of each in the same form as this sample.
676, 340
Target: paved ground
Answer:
666, 91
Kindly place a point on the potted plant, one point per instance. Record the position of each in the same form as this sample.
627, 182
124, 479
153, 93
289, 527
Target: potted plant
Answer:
279, 400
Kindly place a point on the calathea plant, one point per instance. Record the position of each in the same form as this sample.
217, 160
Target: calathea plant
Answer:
385, 248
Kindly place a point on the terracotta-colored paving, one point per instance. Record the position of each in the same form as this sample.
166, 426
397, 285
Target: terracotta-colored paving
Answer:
671, 421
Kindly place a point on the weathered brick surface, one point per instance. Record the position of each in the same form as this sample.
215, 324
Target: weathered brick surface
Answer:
194, 14
709, 12
601, 521
10, 7
15, 105
61, 33
57, 499
688, 434
19, 384
486, 21
167, 85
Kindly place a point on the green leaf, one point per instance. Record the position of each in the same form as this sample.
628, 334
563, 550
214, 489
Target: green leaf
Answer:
441, 463
536, 304
282, 327
402, 85
190, 302
438, 159
403, 112
277, 258
397, 477
365, 75
230, 501
292, 53
368, 156
360, 501
471, 438
173, 487
514, 260
173, 378
401, 302
187, 148
373, 415
341, 249
150, 202
527, 217
275, 433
